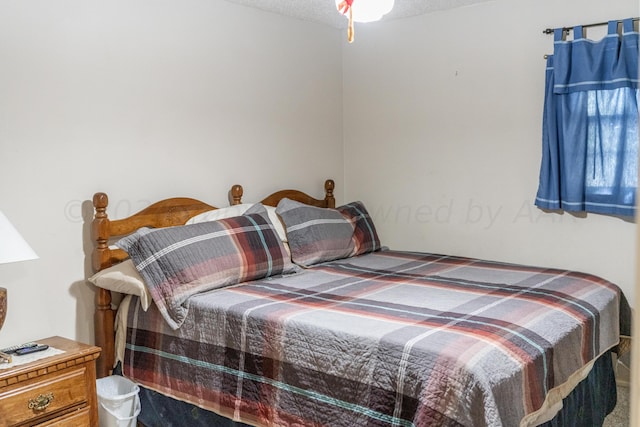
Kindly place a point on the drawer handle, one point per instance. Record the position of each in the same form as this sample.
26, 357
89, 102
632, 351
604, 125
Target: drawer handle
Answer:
41, 402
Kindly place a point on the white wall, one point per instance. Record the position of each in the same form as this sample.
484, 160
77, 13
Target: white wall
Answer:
153, 99
146, 100
442, 117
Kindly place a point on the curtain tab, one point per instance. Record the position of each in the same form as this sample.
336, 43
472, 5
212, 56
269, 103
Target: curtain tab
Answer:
578, 32
613, 27
627, 25
558, 35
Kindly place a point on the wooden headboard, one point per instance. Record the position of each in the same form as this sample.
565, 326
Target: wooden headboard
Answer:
272, 200
165, 213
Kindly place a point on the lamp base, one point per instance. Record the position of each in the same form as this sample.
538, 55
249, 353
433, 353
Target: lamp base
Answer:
3, 305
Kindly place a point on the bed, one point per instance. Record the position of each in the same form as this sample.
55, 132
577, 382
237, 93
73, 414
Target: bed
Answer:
290, 312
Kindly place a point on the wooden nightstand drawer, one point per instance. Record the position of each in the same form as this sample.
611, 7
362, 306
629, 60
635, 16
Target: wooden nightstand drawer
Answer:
42, 396
58, 390
81, 418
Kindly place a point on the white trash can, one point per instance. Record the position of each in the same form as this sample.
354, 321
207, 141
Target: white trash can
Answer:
118, 401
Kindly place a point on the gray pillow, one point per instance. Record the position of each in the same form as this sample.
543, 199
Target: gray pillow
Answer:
178, 262
321, 234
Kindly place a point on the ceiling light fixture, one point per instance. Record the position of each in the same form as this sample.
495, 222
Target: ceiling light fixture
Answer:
364, 11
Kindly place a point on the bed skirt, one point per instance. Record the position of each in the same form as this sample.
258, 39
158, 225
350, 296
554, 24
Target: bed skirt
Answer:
593, 398
587, 405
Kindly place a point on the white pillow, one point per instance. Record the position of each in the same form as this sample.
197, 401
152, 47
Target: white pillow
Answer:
277, 222
222, 213
237, 210
123, 278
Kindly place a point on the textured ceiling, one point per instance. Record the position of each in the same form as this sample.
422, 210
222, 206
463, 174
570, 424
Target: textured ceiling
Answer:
324, 11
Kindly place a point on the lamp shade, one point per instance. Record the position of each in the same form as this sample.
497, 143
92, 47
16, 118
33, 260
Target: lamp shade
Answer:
12, 246
369, 10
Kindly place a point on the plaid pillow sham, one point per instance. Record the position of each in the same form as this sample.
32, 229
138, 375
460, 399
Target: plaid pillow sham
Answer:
319, 234
178, 262
365, 238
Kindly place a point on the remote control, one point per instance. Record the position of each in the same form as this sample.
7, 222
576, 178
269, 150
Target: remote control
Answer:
14, 348
28, 350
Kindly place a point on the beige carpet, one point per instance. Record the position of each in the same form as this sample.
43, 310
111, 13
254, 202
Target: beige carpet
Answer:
620, 415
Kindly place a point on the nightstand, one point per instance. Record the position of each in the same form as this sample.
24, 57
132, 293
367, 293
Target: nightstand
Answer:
59, 390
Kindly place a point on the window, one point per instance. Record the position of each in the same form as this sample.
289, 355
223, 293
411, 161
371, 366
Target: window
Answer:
590, 126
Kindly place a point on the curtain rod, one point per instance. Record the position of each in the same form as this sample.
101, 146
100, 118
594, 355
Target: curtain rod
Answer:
597, 24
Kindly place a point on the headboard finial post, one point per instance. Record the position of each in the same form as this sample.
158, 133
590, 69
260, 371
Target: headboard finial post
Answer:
100, 231
236, 194
101, 258
329, 185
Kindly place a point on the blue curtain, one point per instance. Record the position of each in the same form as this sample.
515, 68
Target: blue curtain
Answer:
590, 123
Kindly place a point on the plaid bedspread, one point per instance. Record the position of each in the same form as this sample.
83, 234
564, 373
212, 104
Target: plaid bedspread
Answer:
385, 339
